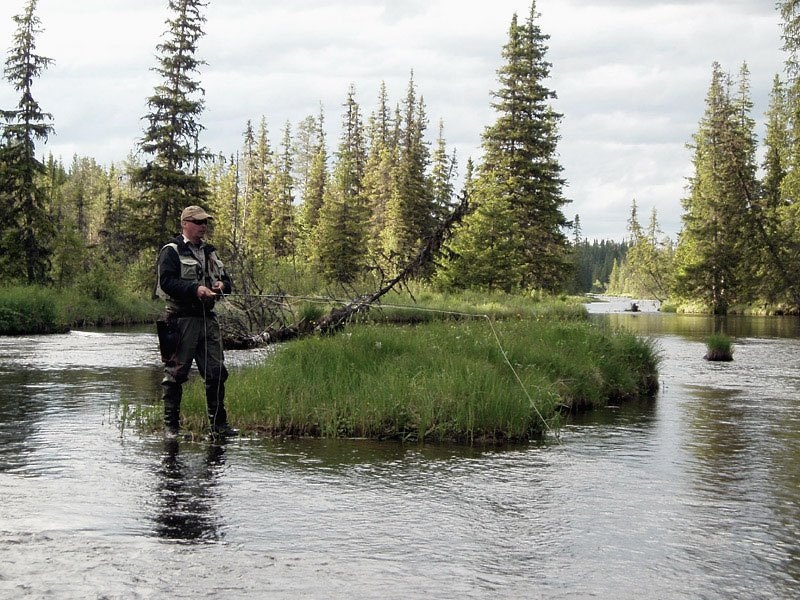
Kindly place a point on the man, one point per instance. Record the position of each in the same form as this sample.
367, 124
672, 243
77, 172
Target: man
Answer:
191, 278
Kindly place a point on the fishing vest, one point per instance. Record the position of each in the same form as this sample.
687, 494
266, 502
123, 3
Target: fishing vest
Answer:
191, 269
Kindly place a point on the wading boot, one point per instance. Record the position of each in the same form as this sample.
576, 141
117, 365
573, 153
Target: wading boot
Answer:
217, 415
172, 408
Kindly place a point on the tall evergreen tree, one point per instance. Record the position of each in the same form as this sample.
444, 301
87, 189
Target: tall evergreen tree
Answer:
314, 191
225, 200
443, 174
648, 261
777, 145
342, 229
260, 173
714, 246
785, 249
380, 174
26, 229
410, 210
520, 173
171, 176
282, 226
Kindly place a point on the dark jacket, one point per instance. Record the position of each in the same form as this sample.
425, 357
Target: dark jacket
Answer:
180, 274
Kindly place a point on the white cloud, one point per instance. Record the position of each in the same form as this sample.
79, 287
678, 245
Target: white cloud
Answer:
631, 77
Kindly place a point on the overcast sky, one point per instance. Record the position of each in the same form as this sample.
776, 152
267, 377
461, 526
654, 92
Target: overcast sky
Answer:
630, 75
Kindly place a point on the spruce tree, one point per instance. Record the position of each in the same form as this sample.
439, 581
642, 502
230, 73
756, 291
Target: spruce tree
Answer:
315, 187
380, 174
648, 261
282, 225
342, 229
714, 247
224, 202
484, 254
443, 174
777, 145
409, 210
520, 173
785, 249
170, 178
26, 229
261, 204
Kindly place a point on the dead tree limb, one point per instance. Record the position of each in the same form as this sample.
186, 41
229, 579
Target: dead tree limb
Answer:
340, 315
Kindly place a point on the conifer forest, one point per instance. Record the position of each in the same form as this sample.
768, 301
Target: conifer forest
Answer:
294, 205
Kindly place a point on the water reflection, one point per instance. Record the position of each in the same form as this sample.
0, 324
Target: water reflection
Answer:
719, 440
698, 327
186, 496
18, 418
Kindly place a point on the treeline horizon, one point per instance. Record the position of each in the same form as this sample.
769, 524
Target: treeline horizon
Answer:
293, 205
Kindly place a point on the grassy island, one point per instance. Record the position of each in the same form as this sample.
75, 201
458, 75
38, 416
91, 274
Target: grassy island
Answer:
506, 376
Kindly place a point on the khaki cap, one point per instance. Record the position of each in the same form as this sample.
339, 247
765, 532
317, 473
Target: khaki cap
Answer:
194, 212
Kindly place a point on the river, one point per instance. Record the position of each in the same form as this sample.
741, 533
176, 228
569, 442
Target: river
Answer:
693, 495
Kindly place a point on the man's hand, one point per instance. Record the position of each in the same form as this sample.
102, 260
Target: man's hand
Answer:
204, 292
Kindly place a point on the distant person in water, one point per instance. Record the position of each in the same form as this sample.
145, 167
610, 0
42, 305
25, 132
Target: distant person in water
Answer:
191, 278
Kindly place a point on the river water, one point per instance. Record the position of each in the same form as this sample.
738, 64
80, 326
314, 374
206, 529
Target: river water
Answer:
693, 495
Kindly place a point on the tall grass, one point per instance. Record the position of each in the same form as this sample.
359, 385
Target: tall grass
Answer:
444, 381
38, 309
29, 310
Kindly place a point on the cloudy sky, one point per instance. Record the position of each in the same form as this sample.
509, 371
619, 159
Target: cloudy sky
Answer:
631, 77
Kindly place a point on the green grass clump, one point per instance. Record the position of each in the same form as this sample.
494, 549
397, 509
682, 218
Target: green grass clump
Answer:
79, 309
443, 381
719, 348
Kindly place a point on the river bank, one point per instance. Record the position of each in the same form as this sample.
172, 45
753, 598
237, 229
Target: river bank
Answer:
26, 310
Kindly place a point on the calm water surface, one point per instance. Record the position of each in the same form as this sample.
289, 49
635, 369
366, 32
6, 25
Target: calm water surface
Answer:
693, 495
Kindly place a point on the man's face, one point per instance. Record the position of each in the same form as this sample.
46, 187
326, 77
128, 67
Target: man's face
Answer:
195, 229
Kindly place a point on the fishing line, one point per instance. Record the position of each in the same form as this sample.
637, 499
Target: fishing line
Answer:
325, 300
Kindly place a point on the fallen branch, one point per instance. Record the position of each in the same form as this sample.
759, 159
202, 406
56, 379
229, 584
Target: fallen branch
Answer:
340, 315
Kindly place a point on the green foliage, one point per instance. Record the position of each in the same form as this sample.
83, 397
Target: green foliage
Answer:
487, 250
139, 276
647, 270
341, 231
410, 205
309, 312
101, 283
28, 310
594, 262
170, 178
40, 310
427, 304
715, 251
